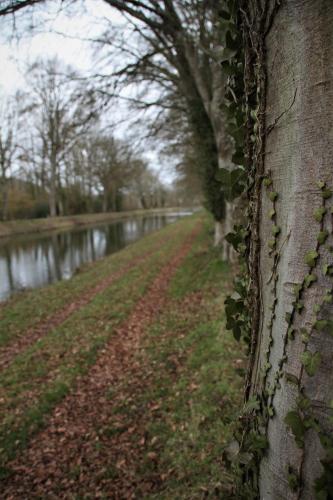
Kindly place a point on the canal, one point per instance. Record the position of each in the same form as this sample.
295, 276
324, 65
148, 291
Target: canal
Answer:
35, 260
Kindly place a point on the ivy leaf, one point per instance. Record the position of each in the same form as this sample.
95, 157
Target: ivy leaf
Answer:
297, 290
233, 182
238, 157
257, 442
322, 237
236, 131
271, 213
267, 181
293, 479
309, 279
320, 324
291, 333
270, 411
319, 214
328, 298
311, 423
324, 324
327, 193
305, 335
299, 305
231, 452
234, 239
253, 404
327, 269
273, 195
288, 317
303, 403
295, 422
236, 315
311, 362
275, 230
311, 257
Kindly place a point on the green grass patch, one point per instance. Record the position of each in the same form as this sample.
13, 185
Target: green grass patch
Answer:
201, 266
198, 404
27, 309
182, 395
43, 374
193, 378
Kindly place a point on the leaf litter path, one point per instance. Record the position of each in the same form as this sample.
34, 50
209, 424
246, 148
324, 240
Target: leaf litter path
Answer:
70, 441
33, 334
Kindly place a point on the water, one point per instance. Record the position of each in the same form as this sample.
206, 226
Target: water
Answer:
32, 261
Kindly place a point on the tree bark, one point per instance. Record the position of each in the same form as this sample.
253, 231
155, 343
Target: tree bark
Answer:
219, 234
298, 155
105, 206
4, 208
53, 188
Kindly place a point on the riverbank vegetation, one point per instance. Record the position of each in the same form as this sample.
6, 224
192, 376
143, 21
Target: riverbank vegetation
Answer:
31, 226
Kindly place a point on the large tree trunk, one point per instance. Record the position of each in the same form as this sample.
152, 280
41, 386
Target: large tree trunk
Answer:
298, 154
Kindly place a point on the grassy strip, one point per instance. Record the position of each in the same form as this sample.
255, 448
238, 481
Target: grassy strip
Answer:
69, 350
29, 308
198, 402
202, 267
197, 409
190, 390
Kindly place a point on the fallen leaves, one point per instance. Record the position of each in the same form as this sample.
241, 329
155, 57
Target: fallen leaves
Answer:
74, 454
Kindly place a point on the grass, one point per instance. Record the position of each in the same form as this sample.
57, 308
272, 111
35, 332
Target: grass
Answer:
193, 381
202, 402
27, 309
40, 376
182, 395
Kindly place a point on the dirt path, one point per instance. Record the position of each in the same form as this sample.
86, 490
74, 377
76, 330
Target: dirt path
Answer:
33, 334
72, 442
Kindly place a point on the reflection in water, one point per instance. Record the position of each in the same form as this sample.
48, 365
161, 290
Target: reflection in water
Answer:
37, 260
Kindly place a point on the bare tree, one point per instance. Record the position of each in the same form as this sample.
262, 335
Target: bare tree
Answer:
109, 168
168, 47
62, 111
12, 6
174, 48
145, 185
9, 128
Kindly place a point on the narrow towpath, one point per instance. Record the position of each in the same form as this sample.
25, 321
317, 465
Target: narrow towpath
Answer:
71, 438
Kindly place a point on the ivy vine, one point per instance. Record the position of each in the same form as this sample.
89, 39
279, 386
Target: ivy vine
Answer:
244, 108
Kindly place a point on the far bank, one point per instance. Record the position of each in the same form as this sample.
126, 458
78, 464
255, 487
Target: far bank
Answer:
25, 226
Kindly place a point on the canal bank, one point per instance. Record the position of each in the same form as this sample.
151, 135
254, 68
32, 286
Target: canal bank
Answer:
37, 259
122, 381
27, 226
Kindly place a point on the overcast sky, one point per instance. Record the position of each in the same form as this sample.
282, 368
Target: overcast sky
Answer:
44, 41
19, 47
